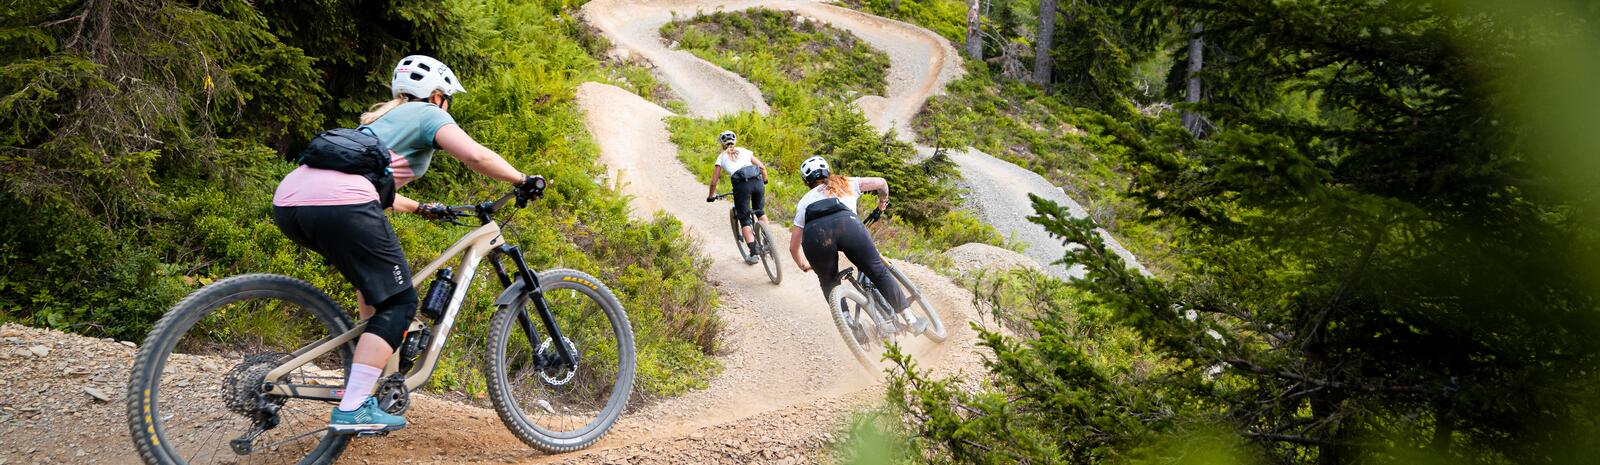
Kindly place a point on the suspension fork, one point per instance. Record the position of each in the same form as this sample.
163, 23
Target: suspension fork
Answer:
536, 294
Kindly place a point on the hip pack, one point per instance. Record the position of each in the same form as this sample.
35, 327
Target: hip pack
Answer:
825, 208
747, 173
353, 151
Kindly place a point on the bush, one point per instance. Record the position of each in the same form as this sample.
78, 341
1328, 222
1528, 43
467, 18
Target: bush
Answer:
811, 116
110, 229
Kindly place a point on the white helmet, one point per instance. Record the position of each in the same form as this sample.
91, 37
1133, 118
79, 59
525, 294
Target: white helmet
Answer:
813, 168
727, 137
420, 75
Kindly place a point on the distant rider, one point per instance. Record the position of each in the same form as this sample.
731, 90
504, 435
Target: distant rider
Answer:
825, 224
749, 178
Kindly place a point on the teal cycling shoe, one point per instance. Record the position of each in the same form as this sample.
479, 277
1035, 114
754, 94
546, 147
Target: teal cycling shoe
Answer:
368, 418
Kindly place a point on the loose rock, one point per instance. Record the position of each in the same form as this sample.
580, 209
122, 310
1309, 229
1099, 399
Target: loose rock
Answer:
96, 394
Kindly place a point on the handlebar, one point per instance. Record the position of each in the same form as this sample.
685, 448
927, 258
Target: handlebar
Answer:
722, 195
485, 211
877, 214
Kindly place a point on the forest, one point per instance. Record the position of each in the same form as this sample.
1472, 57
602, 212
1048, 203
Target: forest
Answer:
1381, 237
1372, 225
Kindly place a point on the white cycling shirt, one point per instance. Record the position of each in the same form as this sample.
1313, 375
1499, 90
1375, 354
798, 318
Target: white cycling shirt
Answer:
821, 192
742, 157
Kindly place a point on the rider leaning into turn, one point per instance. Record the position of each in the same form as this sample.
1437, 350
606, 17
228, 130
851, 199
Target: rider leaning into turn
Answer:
749, 178
825, 224
338, 216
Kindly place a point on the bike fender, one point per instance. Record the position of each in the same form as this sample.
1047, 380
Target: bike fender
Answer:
510, 295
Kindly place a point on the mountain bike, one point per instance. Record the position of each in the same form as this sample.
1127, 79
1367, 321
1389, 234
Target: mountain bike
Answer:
768, 255
246, 369
867, 320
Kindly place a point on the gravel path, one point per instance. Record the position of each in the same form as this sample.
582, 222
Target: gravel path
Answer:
921, 63
788, 383
784, 345
999, 192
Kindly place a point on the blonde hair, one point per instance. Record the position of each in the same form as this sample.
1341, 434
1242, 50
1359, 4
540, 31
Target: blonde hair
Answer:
838, 186
377, 111
380, 109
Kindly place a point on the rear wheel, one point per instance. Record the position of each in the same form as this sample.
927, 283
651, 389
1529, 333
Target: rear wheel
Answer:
567, 408
852, 317
197, 381
769, 259
936, 330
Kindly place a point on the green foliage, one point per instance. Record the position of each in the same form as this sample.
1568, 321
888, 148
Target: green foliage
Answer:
1079, 149
772, 47
947, 18
1371, 273
812, 117
134, 181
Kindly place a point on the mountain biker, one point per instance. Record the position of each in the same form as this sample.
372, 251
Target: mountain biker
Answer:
749, 178
338, 215
825, 224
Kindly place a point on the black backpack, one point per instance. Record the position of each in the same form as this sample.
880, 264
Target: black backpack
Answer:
354, 151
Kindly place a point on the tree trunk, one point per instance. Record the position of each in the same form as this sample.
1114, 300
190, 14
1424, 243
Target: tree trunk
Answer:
1041, 50
974, 34
1191, 120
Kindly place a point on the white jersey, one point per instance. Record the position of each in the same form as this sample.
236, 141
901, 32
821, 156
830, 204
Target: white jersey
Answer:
821, 192
742, 158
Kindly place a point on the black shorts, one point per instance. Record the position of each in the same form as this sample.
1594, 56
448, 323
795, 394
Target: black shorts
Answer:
356, 239
749, 198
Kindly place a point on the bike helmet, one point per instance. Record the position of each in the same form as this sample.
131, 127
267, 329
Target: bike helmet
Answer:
727, 137
420, 75
813, 169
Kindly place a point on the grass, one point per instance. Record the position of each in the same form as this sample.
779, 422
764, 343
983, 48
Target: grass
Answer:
809, 72
784, 53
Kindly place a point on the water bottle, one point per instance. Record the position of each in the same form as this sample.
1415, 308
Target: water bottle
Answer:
439, 293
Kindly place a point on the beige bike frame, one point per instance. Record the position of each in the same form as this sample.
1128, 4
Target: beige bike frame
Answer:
472, 248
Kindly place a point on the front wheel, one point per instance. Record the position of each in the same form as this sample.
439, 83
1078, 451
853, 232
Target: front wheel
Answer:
852, 316
561, 409
769, 257
936, 330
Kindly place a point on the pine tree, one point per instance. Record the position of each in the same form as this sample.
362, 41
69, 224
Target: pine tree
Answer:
1372, 272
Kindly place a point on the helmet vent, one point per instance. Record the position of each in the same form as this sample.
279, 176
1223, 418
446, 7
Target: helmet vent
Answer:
405, 63
416, 76
447, 80
424, 67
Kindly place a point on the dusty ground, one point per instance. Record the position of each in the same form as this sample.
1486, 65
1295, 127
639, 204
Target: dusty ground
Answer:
788, 383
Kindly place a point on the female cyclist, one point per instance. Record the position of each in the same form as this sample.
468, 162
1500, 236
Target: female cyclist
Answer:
749, 178
337, 215
825, 224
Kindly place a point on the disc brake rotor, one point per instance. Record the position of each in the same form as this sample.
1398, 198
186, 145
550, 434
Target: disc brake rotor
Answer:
558, 376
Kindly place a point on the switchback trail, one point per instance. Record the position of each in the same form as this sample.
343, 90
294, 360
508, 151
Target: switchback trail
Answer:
921, 63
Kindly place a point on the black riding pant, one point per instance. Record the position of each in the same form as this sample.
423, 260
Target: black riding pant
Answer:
825, 237
359, 242
749, 199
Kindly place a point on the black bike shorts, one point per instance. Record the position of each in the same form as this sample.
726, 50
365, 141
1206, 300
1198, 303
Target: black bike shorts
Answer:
749, 199
356, 239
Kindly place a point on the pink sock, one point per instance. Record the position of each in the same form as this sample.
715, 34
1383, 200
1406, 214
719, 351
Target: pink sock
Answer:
359, 388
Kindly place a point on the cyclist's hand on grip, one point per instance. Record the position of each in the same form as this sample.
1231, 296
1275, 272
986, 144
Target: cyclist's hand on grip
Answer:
433, 211
711, 199
532, 187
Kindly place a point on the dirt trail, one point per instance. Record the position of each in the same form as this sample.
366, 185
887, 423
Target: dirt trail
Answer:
787, 365
921, 63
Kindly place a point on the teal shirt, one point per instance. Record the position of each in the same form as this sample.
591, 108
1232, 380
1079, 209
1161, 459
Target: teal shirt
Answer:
409, 131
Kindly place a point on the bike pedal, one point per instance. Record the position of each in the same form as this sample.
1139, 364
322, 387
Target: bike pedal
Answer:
369, 434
